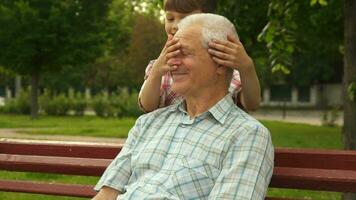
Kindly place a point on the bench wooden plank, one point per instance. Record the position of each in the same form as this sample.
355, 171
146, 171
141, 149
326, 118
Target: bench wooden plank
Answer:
327, 170
315, 158
72, 190
52, 164
106, 151
58, 189
314, 179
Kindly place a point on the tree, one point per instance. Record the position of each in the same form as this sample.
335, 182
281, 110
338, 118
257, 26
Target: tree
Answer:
38, 36
349, 130
349, 6
142, 48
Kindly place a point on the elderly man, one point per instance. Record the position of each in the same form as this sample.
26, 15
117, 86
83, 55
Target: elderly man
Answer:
205, 147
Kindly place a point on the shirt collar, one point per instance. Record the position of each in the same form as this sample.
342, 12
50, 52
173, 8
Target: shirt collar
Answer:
219, 111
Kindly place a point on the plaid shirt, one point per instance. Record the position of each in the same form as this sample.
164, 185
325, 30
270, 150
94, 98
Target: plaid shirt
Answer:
221, 154
168, 97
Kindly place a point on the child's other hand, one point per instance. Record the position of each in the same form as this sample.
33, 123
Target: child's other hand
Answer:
170, 50
230, 53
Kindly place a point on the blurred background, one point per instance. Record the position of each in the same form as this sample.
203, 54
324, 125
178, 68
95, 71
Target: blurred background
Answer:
72, 69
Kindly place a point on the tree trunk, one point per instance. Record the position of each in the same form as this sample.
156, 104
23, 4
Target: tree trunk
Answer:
34, 95
349, 131
18, 87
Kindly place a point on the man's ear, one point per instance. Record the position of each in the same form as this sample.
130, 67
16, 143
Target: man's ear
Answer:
221, 70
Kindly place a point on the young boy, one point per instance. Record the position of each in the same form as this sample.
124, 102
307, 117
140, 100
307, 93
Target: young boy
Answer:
156, 90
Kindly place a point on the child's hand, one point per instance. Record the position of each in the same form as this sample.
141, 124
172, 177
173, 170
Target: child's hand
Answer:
170, 50
230, 53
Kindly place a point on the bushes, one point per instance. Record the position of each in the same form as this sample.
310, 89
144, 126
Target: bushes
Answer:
18, 105
78, 104
102, 106
118, 104
54, 104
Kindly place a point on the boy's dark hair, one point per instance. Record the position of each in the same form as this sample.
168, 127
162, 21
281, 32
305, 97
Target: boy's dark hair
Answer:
187, 6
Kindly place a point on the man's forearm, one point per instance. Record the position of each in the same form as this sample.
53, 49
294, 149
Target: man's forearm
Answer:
107, 193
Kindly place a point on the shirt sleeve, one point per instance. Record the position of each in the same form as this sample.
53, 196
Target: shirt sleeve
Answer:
235, 88
247, 167
118, 173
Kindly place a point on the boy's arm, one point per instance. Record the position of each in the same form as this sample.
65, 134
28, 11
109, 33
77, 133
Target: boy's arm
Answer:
250, 96
149, 95
232, 54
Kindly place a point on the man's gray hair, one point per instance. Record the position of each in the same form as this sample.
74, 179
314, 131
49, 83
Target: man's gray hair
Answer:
213, 26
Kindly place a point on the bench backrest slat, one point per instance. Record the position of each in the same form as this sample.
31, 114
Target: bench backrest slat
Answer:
50, 164
107, 151
315, 158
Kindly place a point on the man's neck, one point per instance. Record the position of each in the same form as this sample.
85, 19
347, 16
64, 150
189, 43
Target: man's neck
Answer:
201, 103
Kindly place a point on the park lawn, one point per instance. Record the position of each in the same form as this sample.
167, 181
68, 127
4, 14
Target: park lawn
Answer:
69, 125
283, 135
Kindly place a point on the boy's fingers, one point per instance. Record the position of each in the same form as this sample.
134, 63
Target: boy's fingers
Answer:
222, 62
221, 48
171, 41
219, 54
173, 47
232, 38
172, 54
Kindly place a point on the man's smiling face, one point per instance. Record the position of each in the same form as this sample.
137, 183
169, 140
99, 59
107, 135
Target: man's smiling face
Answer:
196, 70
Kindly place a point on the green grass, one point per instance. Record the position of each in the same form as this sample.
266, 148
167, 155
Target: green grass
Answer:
283, 135
81, 126
303, 135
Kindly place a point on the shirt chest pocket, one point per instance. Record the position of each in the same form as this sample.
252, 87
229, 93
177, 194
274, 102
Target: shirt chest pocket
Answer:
193, 179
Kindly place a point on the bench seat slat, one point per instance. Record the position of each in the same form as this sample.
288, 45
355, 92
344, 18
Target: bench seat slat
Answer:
314, 179
52, 164
72, 190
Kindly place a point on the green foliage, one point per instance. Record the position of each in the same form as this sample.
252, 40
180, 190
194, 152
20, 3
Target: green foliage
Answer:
321, 2
18, 105
249, 18
54, 104
128, 70
351, 91
102, 105
126, 103
119, 104
39, 36
296, 36
45, 35
279, 34
78, 104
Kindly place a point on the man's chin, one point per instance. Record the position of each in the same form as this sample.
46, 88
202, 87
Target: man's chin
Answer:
179, 89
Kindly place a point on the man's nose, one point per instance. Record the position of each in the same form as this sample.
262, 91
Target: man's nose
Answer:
174, 62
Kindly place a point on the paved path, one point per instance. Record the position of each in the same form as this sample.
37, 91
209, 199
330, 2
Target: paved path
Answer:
307, 117
295, 116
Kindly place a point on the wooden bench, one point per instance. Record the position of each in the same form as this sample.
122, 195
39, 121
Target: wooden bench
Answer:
311, 169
